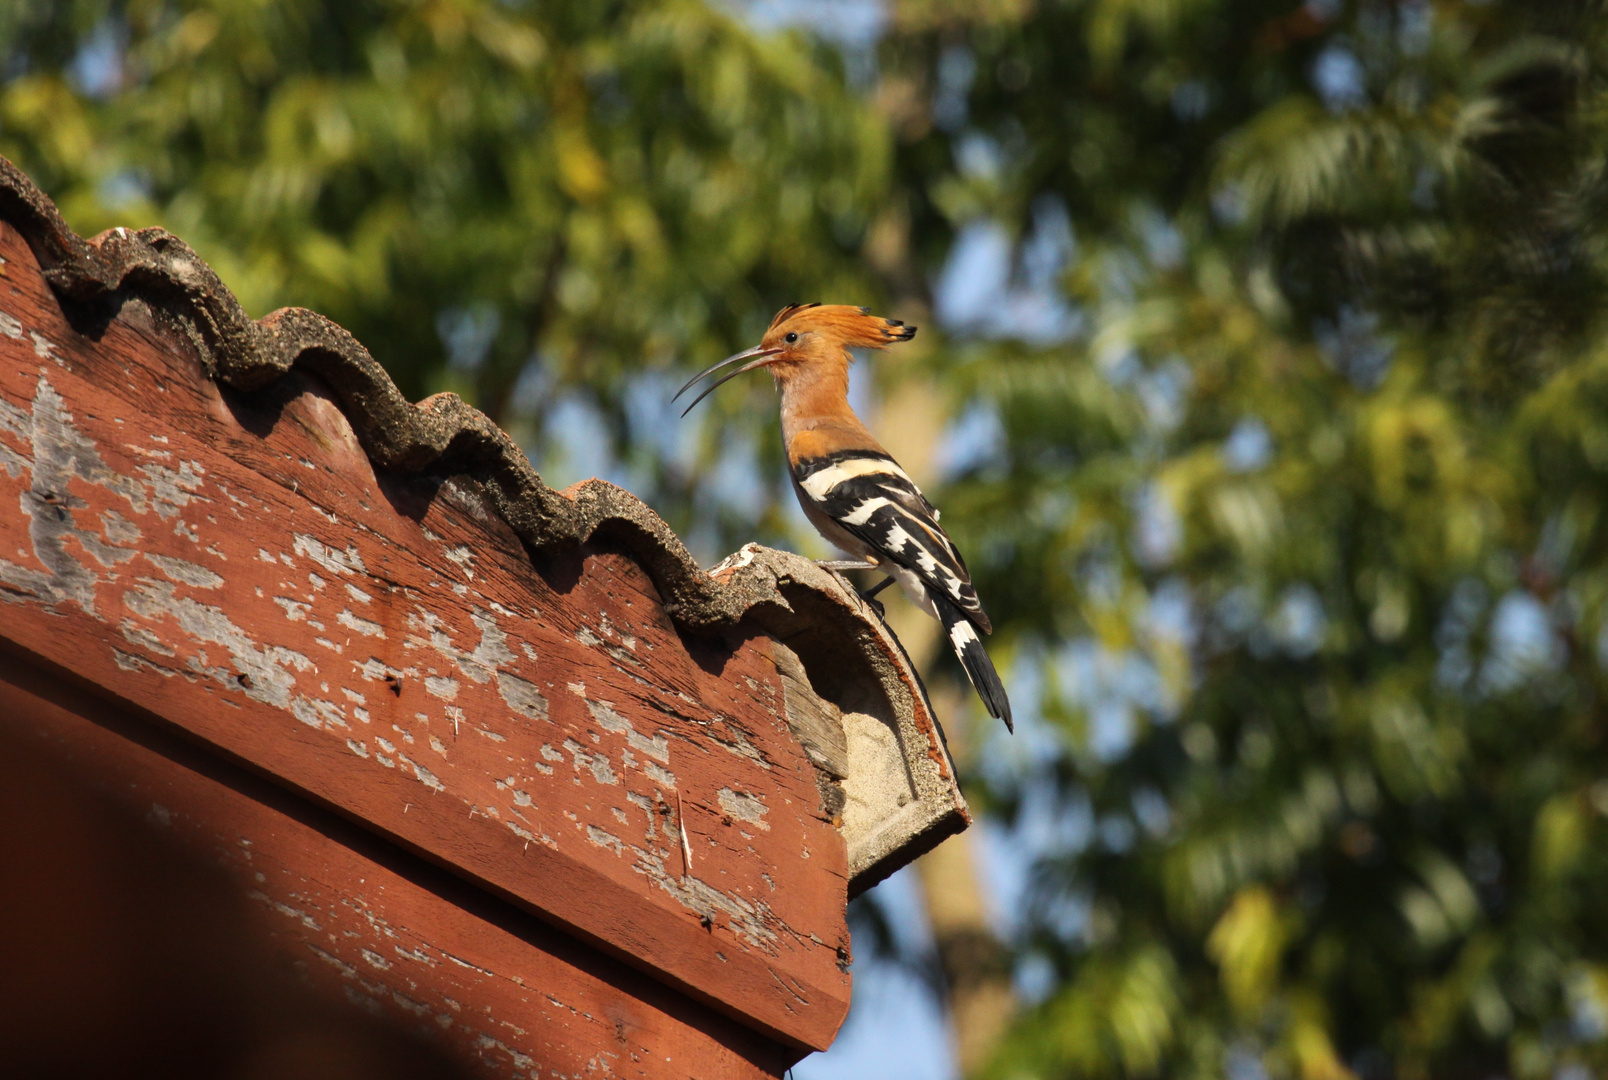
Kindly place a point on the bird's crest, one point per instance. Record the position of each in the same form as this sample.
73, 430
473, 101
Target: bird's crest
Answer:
854, 326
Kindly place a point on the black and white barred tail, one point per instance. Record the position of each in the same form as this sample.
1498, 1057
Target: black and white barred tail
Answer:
968, 646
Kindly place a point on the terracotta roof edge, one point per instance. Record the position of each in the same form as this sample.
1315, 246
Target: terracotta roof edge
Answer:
442, 431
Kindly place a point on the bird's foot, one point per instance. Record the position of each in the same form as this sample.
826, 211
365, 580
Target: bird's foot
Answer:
844, 564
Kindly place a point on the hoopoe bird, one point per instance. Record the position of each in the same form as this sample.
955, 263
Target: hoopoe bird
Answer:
851, 489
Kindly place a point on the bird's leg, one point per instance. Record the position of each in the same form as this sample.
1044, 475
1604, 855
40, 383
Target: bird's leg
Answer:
873, 590
870, 596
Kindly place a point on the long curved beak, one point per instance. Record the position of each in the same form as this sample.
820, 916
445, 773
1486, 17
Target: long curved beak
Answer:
757, 357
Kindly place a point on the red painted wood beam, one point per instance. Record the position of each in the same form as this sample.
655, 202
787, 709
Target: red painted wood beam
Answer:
384, 645
511, 995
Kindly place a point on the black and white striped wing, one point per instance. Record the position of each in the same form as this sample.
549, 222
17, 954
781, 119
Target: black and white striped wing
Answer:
871, 497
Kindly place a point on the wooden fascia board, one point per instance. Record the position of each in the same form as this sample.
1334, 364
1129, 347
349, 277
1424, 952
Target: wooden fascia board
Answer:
329, 435
510, 995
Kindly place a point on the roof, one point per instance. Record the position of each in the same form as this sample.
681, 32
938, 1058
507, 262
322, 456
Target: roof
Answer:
243, 533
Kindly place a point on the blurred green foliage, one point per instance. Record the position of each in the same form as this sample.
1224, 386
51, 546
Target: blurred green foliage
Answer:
1313, 555
1296, 520
479, 191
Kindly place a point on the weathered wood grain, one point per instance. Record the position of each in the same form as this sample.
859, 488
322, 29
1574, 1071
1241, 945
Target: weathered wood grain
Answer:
388, 647
389, 931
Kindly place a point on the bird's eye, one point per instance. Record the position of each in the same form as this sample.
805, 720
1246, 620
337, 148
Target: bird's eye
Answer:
791, 338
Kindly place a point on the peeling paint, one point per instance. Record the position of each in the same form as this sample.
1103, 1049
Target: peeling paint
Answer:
596, 764
750, 921
130, 662
136, 634
184, 572
269, 667
172, 489
335, 562
346, 970
118, 529
485, 663
295, 610
408, 1005
609, 629
743, 807
317, 714
521, 1061
493, 651
425, 776
604, 839
45, 349
464, 558
61, 454
522, 696
285, 909
366, 627
655, 746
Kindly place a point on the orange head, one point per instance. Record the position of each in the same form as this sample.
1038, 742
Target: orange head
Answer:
809, 342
